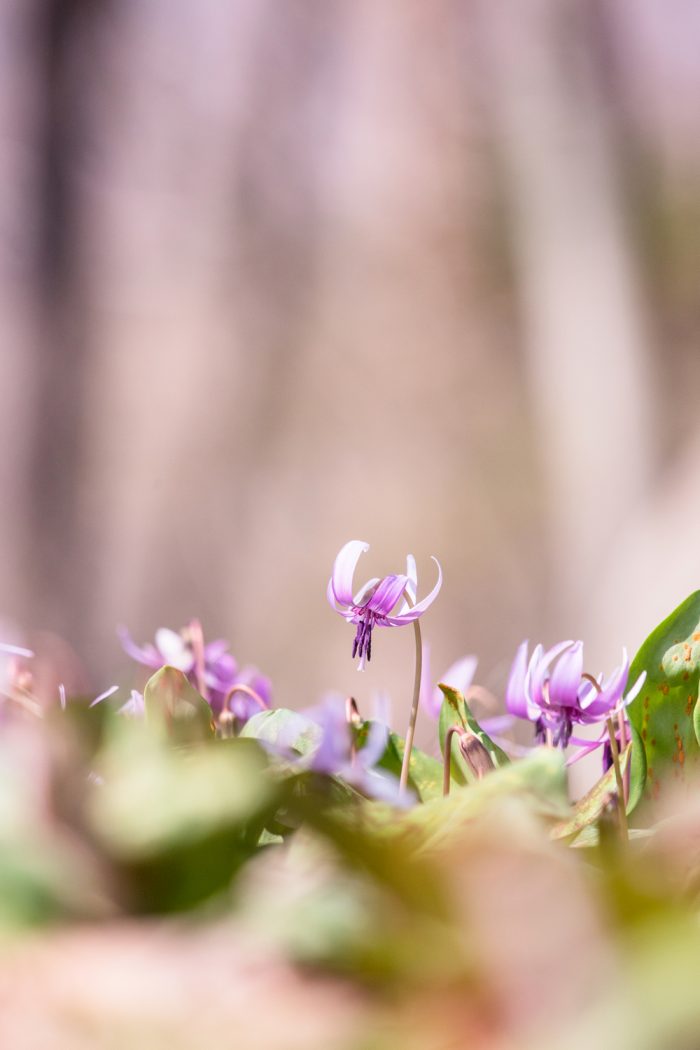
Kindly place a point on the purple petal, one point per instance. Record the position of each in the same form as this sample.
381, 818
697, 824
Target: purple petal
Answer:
375, 745
146, 654
213, 651
420, 607
516, 698
538, 671
587, 749
565, 679
387, 595
344, 570
611, 693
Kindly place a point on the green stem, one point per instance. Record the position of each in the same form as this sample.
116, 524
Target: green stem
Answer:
408, 746
621, 807
447, 760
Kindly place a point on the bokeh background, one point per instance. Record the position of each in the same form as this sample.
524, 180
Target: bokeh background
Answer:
278, 275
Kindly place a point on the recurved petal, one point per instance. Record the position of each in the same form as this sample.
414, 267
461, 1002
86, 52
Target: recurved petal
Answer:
420, 607
412, 585
344, 570
565, 679
143, 654
516, 699
538, 671
611, 693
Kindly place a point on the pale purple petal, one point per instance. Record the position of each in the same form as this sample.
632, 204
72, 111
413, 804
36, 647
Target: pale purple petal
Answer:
344, 570
15, 650
146, 654
587, 749
420, 607
213, 651
565, 678
174, 650
103, 696
62, 695
636, 688
375, 745
516, 698
461, 673
497, 724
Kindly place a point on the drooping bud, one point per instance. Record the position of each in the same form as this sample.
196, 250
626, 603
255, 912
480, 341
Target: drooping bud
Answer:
475, 754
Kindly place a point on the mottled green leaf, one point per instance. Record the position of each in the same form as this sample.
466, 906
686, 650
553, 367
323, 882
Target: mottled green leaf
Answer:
663, 713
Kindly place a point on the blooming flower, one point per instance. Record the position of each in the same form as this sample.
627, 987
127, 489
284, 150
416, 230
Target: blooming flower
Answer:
552, 691
211, 668
375, 604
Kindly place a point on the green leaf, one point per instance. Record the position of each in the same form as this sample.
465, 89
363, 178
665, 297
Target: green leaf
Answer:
177, 824
664, 713
424, 771
455, 711
538, 782
284, 729
175, 707
589, 808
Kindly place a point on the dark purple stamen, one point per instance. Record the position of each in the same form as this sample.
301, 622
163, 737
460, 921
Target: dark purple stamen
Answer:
560, 726
362, 645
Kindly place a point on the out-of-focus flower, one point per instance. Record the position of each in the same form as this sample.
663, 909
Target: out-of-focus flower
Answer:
210, 667
375, 604
551, 690
458, 675
332, 728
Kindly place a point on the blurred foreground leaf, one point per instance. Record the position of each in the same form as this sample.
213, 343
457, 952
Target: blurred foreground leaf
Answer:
179, 823
175, 706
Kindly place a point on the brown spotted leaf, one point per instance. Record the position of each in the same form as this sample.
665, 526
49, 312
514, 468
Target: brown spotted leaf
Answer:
664, 711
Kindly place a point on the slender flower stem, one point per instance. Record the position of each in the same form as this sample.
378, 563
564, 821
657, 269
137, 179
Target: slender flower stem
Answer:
447, 760
408, 747
623, 744
353, 719
196, 638
621, 806
248, 692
